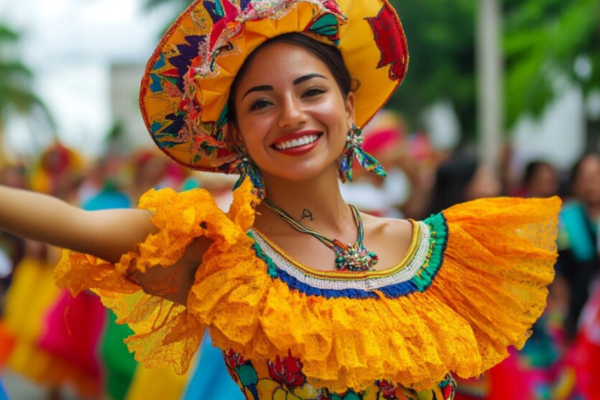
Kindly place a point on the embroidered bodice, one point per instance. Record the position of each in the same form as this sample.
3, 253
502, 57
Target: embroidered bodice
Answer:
283, 377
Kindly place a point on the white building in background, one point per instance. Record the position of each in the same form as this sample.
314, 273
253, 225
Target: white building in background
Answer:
558, 136
70, 45
125, 81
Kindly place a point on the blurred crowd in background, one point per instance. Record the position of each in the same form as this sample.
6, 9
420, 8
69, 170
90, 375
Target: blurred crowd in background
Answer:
52, 72
72, 347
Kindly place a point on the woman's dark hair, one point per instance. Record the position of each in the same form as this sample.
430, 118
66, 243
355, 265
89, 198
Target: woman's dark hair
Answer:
328, 54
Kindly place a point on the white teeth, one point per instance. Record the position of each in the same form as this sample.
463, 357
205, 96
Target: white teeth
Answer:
296, 142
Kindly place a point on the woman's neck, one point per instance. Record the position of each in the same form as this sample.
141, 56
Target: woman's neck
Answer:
315, 202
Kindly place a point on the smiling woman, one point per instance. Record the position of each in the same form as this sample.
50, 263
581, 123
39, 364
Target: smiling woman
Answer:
307, 297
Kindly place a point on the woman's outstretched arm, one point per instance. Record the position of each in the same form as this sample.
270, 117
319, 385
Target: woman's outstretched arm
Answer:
105, 234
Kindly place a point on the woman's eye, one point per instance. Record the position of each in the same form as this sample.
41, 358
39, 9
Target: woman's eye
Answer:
313, 92
258, 104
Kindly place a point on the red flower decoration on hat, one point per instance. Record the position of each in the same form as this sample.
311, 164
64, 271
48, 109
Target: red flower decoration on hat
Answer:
390, 43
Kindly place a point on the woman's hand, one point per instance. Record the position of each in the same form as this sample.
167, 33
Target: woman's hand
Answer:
174, 282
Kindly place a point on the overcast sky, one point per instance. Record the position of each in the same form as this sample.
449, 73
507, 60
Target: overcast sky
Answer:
70, 44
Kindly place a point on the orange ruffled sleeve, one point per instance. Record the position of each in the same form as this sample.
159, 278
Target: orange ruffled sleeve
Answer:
165, 333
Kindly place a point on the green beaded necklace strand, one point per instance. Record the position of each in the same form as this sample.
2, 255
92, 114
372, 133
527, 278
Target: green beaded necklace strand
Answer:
351, 257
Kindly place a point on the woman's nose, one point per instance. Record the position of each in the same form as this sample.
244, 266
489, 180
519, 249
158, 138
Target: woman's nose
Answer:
291, 113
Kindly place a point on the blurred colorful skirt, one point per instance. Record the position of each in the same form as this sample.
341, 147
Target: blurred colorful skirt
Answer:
55, 341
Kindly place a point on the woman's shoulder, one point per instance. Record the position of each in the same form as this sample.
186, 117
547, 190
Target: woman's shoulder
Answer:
389, 238
386, 226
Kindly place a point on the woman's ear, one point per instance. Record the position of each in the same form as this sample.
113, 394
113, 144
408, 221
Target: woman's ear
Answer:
349, 105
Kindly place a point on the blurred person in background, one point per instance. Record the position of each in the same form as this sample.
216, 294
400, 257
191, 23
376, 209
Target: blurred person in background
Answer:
540, 362
404, 192
578, 260
150, 169
74, 342
580, 379
531, 373
462, 178
58, 172
540, 179
28, 300
56, 335
12, 251
463, 324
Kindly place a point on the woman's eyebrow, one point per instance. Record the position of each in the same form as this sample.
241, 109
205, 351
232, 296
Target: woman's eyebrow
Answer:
258, 89
307, 77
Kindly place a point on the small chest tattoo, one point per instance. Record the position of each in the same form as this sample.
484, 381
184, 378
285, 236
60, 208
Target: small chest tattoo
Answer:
306, 214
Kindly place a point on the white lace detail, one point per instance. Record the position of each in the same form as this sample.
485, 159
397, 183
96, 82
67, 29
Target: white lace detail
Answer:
366, 284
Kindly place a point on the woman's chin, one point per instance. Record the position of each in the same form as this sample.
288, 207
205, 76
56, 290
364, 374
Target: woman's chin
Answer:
300, 173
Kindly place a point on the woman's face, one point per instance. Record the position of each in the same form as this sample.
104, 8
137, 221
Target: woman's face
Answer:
291, 115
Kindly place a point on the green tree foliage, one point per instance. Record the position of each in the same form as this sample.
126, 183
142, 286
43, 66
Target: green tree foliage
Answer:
17, 96
175, 7
441, 43
544, 40
179, 4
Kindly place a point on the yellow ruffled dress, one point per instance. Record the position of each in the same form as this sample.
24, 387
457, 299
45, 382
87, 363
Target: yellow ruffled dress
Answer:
472, 284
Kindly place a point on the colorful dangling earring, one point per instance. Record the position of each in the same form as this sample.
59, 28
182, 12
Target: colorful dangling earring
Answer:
354, 149
247, 169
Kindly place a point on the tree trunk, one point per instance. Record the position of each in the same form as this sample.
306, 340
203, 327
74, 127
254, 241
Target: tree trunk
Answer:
490, 114
3, 159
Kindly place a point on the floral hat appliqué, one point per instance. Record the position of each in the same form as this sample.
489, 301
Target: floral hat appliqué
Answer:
186, 85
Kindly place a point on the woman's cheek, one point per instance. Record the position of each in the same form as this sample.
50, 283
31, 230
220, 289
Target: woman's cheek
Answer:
254, 134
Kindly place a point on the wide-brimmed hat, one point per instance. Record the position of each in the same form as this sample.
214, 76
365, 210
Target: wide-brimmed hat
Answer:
186, 86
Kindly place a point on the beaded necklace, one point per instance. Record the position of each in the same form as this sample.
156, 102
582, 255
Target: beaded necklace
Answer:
351, 257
